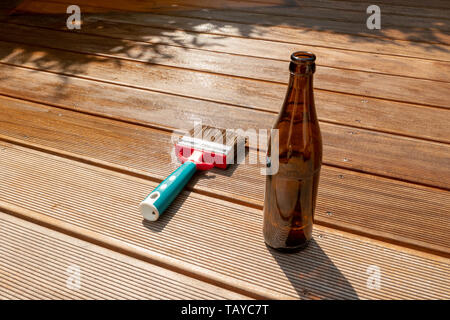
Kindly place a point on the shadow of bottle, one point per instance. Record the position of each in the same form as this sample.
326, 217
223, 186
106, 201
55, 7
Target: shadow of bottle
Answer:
313, 275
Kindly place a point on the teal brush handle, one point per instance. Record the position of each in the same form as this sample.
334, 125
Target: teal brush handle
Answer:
159, 199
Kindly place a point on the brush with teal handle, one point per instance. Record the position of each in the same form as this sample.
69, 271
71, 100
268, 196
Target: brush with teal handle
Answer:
163, 195
201, 149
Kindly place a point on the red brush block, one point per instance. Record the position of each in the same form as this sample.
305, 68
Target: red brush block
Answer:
207, 161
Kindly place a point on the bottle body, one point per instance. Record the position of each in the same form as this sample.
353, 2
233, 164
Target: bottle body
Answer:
291, 193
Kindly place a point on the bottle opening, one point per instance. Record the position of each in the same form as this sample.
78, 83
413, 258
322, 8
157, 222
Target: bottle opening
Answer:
302, 63
303, 56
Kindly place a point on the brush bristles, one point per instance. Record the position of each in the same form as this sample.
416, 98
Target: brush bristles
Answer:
210, 139
216, 135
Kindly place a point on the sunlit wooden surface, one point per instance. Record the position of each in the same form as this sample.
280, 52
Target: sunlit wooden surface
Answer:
85, 133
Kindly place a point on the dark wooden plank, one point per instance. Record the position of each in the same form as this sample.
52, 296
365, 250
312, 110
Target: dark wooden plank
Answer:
281, 7
381, 208
312, 33
440, 4
333, 266
339, 7
397, 3
330, 20
6, 7
392, 8
34, 264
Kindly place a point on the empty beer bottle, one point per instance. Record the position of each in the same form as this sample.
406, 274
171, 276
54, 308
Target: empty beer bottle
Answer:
290, 194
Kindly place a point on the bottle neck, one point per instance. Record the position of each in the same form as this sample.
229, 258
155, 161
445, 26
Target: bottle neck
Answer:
299, 100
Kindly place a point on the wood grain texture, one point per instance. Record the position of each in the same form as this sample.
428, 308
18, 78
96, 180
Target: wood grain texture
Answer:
345, 109
163, 50
429, 50
333, 266
347, 147
381, 208
412, 90
79, 161
35, 264
281, 34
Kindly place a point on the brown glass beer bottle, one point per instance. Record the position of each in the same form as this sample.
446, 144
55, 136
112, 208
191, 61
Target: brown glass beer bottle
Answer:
291, 192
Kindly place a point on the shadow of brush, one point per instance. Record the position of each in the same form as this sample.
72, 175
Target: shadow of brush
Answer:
160, 224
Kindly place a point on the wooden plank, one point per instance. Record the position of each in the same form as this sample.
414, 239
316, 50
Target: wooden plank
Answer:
330, 20
50, 7
8, 4
381, 208
430, 4
436, 40
6, 8
162, 50
300, 6
280, 34
391, 8
333, 266
355, 42
350, 110
410, 9
323, 19
35, 263
418, 161
397, 3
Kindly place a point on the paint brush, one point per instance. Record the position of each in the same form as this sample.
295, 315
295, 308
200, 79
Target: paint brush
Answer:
203, 148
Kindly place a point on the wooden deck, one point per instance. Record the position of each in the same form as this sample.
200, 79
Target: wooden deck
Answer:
85, 124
